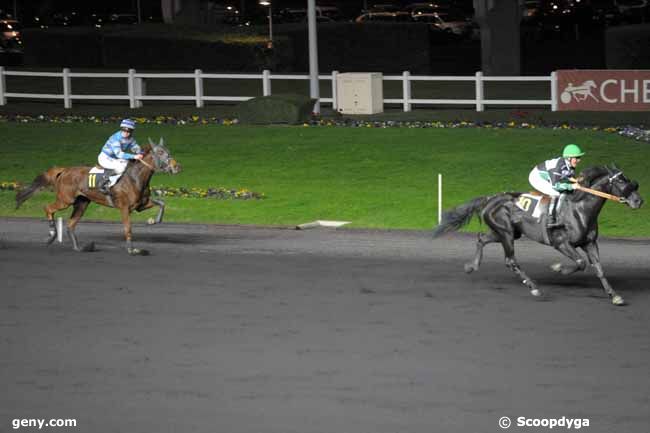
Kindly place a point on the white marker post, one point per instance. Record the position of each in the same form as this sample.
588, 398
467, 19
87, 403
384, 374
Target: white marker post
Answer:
439, 198
59, 229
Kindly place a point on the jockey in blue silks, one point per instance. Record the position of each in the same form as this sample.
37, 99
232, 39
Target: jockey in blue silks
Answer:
553, 177
116, 153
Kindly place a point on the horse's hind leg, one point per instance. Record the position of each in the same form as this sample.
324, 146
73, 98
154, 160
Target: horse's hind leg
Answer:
498, 220
50, 210
511, 263
483, 239
80, 206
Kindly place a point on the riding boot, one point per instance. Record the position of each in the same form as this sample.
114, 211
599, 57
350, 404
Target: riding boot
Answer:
104, 188
551, 222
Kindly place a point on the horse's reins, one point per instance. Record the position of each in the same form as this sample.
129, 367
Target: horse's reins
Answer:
612, 197
147, 164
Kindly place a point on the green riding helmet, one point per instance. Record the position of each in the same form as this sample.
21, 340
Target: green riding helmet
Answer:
572, 151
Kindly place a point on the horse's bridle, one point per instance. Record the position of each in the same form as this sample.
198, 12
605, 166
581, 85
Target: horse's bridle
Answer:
629, 188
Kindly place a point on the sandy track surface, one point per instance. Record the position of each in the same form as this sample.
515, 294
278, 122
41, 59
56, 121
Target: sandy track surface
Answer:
245, 329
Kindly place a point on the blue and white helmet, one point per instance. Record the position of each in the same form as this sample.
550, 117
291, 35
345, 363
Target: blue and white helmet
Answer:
128, 123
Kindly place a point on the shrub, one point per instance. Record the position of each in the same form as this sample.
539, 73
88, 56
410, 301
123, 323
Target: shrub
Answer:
281, 108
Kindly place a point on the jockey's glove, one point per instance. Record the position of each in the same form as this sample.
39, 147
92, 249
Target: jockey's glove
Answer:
564, 186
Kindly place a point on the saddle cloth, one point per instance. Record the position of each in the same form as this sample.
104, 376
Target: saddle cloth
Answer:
96, 177
533, 204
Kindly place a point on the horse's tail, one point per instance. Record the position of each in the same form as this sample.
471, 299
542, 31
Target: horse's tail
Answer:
42, 180
459, 216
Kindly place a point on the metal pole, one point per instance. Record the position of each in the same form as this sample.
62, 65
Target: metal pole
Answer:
15, 9
271, 23
139, 14
314, 90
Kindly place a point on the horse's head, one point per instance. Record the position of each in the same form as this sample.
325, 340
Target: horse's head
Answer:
624, 187
162, 158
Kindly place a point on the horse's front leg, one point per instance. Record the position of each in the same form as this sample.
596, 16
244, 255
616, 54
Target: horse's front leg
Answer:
161, 210
594, 258
483, 239
126, 222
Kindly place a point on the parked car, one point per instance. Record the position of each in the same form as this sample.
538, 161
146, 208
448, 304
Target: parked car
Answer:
531, 9
10, 36
122, 19
447, 22
633, 10
390, 17
605, 12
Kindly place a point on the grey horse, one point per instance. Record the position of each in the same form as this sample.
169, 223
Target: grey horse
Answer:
508, 217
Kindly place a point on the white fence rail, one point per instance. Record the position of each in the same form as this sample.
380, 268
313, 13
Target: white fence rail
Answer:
136, 88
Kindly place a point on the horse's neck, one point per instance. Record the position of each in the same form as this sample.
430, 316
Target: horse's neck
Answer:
141, 174
589, 205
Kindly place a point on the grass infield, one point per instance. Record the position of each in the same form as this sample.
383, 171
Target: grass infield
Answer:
375, 178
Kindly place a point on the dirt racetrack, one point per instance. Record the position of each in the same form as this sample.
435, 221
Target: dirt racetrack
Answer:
251, 330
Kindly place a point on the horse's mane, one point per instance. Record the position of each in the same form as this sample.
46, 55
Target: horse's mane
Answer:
591, 174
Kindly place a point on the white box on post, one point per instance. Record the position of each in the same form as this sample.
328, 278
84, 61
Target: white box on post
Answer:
360, 92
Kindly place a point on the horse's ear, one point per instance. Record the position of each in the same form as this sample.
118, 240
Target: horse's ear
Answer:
161, 142
614, 167
150, 142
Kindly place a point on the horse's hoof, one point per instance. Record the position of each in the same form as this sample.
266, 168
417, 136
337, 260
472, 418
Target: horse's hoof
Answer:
137, 252
536, 292
556, 267
151, 221
88, 248
50, 240
469, 268
618, 300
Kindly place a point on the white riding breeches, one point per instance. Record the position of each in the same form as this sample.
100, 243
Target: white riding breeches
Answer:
540, 184
119, 165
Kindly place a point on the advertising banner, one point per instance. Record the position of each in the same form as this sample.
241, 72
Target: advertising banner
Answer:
603, 90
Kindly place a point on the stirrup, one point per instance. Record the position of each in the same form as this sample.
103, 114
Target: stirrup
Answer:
552, 224
105, 188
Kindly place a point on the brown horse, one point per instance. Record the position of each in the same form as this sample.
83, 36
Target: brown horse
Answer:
74, 186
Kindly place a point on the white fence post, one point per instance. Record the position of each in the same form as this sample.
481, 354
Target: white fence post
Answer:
198, 87
439, 197
140, 89
554, 91
67, 101
480, 91
131, 87
406, 90
59, 229
266, 82
335, 96
3, 84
